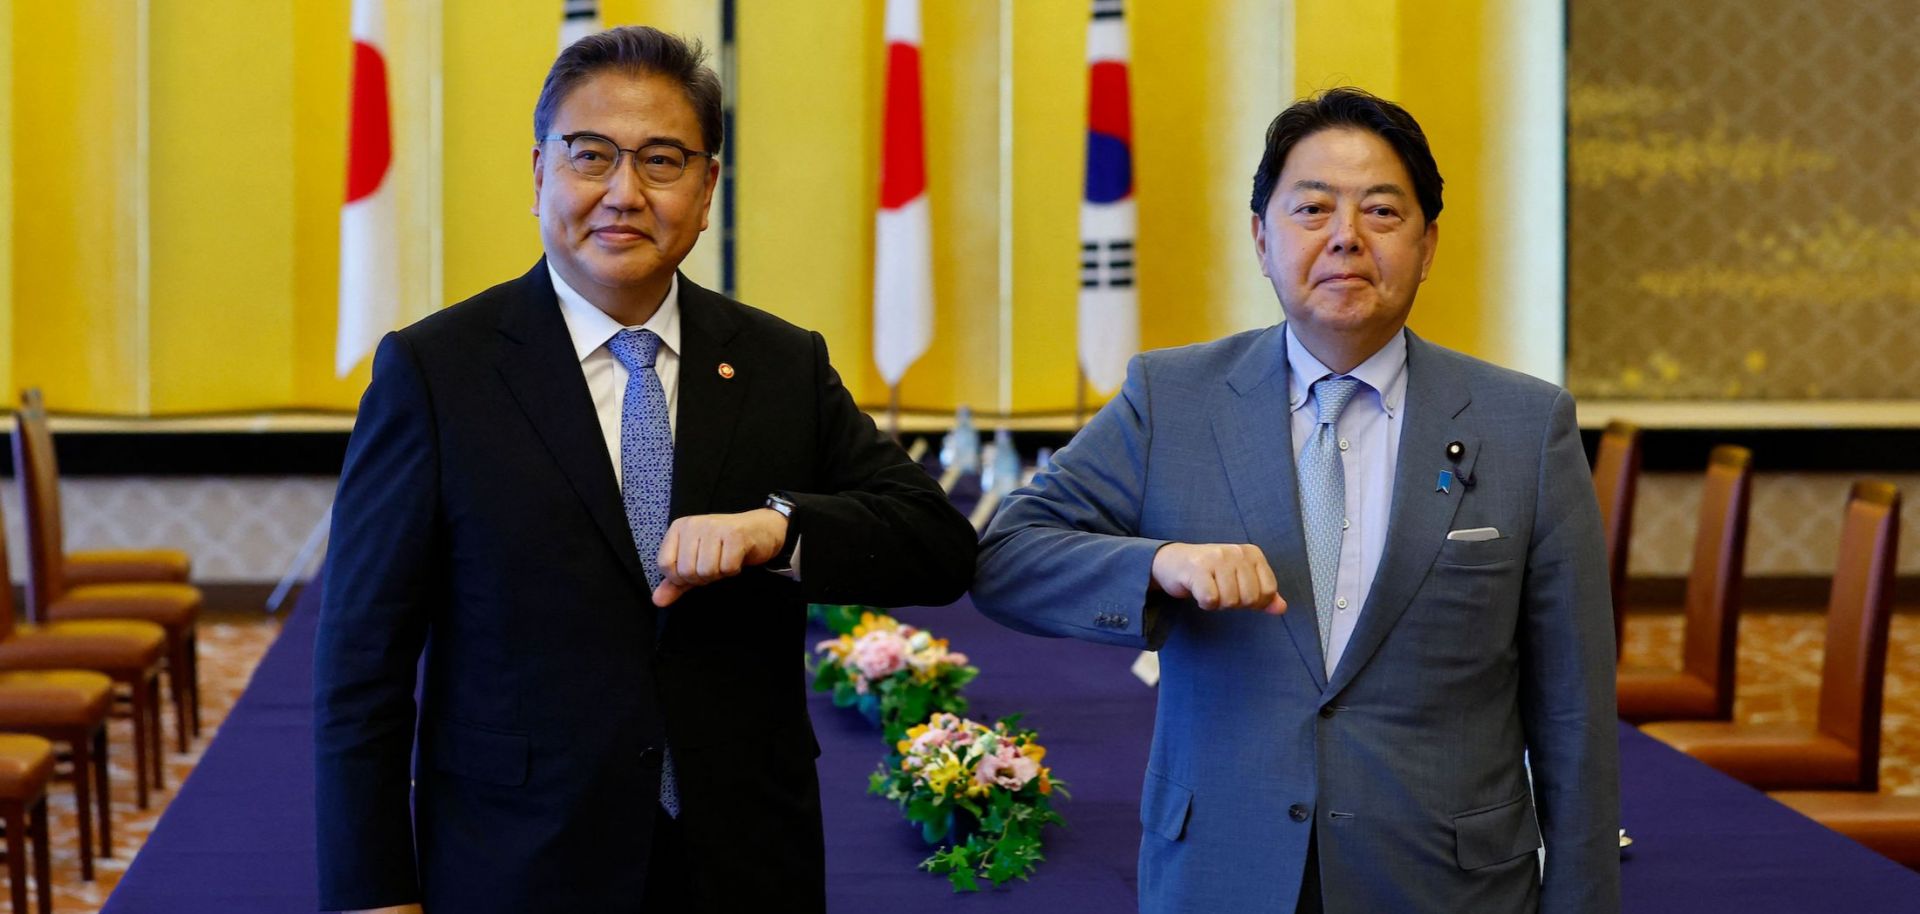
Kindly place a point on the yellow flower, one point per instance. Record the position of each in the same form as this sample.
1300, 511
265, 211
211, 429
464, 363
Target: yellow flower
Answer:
871, 622
1034, 751
941, 775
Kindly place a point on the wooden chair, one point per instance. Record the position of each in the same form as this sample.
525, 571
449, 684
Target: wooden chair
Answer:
1888, 824
1616, 476
128, 651
70, 707
102, 566
1702, 689
1841, 751
26, 764
113, 588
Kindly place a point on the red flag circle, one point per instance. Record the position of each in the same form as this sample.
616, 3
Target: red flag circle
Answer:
903, 161
370, 140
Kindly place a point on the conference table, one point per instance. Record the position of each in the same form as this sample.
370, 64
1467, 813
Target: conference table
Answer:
239, 835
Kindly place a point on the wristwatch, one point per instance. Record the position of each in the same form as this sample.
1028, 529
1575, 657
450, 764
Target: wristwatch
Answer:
780, 503
784, 559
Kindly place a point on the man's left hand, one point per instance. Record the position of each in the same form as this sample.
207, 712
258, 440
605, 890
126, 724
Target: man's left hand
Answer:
704, 548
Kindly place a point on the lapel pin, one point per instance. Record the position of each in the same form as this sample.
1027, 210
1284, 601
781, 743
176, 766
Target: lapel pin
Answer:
1446, 482
1455, 451
726, 371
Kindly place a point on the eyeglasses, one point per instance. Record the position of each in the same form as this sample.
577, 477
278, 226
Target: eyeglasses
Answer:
591, 155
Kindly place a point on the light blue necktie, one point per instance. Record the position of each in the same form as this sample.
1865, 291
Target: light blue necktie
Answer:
646, 478
1323, 496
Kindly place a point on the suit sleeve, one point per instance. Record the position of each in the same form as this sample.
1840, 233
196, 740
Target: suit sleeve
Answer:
1063, 557
1567, 686
379, 588
880, 532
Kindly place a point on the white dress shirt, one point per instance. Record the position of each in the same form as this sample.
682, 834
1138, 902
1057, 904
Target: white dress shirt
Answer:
591, 328
1368, 431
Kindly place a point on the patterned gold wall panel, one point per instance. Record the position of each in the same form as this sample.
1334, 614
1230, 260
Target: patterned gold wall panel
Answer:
1743, 212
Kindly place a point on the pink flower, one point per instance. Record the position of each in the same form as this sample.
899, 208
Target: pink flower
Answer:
929, 740
1006, 767
879, 654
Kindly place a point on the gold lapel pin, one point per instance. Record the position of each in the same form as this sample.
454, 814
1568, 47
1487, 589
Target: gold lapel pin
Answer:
726, 371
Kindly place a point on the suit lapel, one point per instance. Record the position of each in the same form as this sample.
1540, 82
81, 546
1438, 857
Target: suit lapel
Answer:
711, 398
1421, 513
1255, 435
543, 373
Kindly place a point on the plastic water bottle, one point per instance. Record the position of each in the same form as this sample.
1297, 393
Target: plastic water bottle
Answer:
966, 441
1003, 475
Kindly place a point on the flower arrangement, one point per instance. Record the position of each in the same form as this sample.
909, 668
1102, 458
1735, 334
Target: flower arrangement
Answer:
982, 791
897, 675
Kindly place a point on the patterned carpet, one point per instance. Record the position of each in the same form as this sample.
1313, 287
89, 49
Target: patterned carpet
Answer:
1778, 677
1779, 681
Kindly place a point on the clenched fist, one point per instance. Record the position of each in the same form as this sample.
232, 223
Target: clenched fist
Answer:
1218, 576
704, 548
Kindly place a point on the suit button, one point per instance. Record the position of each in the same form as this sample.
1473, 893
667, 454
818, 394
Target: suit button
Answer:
1297, 813
1326, 711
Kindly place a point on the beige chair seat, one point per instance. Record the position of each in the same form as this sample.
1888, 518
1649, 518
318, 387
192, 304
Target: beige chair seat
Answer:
169, 605
32, 699
26, 764
1770, 757
126, 566
69, 707
1888, 824
84, 643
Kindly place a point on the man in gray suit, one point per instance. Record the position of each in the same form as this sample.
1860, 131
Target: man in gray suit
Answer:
1429, 519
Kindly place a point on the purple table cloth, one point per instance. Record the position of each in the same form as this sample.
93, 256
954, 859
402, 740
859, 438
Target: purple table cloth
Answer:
239, 837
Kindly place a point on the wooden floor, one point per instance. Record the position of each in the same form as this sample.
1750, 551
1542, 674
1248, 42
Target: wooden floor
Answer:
1779, 681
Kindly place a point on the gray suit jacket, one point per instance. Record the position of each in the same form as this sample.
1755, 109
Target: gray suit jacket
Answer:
1408, 761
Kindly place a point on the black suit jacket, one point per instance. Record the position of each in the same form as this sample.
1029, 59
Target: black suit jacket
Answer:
478, 522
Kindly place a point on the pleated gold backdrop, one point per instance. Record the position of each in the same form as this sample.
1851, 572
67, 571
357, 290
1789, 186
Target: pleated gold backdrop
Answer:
172, 175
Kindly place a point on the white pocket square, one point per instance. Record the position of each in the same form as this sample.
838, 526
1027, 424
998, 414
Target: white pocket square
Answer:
1474, 534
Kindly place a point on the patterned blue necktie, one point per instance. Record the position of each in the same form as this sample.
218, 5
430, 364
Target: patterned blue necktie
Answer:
1323, 496
646, 478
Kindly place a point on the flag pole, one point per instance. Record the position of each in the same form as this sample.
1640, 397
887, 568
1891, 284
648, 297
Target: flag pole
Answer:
1079, 397
893, 411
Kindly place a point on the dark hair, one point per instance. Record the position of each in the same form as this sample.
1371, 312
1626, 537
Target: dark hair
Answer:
1356, 109
637, 49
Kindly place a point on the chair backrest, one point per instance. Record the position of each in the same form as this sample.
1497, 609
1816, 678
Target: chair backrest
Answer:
33, 462
1616, 474
1854, 672
1719, 562
7, 608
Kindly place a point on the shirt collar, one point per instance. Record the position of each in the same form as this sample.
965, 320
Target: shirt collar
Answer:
1380, 371
590, 328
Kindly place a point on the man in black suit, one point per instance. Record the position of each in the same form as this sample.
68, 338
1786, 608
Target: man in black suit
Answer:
597, 498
